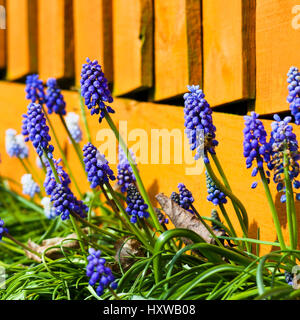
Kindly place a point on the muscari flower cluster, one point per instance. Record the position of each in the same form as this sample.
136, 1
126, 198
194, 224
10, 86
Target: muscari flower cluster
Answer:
15, 145
96, 166
34, 89
294, 92
54, 99
185, 197
72, 121
214, 194
215, 216
35, 129
99, 273
61, 196
136, 206
3, 230
198, 119
255, 144
29, 186
283, 140
175, 197
125, 174
94, 88
49, 209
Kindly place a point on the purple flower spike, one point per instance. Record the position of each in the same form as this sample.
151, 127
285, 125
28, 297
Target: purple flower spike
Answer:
99, 273
256, 147
214, 194
35, 129
54, 99
198, 119
35, 89
294, 92
3, 230
283, 139
94, 89
96, 166
125, 174
136, 207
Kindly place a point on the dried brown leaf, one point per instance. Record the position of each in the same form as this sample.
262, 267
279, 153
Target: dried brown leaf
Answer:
54, 253
183, 219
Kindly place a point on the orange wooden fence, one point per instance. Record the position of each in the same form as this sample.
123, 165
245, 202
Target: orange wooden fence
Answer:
150, 50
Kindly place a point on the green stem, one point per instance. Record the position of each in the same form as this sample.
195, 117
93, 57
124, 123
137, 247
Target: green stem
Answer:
221, 187
88, 224
62, 154
207, 227
24, 165
84, 118
33, 171
135, 171
226, 217
273, 209
75, 145
290, 204
226, 183
79, 234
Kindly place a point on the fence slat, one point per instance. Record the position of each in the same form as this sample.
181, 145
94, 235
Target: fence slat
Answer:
55, 39
277, 49
178, 56
133, 45
21, 38
93, 34
228, 50
2, 34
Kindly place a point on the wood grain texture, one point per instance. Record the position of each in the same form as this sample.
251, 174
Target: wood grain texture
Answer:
178, 56
21, 38
2, 34
133, 45
55, 39
144, 118
228, 50
277, 49
93, 35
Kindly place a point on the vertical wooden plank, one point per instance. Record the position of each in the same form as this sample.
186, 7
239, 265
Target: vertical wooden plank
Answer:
277, 49
178, 53
93, 35
21, 38
133, 45
229, 50
2, 33
55, 39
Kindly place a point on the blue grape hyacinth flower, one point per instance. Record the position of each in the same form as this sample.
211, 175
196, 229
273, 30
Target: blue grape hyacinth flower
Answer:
34, 89
294, 93
29, 186
98, 273
256, 147
198, 121
3, 230
35, 129
283, 139
94, 89
185, 197
96, 166
54, 99
15, 145
136, 206
65, 203
125, 174
214, 194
